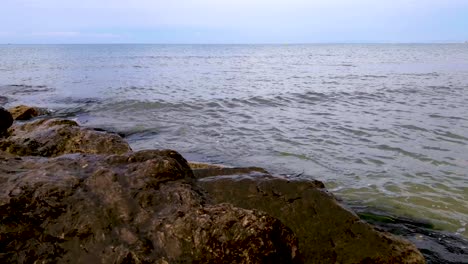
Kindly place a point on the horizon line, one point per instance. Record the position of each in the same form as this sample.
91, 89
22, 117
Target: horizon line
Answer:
220, 43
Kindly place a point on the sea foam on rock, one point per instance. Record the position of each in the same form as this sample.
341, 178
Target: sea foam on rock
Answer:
73, 194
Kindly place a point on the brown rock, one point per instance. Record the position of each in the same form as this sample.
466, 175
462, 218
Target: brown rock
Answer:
135, 208
150, 207
54, 137
327, 232
23, 112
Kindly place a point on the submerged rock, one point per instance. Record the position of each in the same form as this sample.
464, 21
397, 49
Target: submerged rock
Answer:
23, 112
436, 246
327, 232
6, 120
136, 208
53, 137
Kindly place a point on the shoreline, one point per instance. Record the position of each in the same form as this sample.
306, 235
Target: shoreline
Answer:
210, 170
62, 145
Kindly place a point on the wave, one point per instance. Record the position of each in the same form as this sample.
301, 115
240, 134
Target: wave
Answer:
23, 89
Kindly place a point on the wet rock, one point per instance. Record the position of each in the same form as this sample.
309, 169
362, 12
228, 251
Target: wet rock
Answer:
54, 137
151, 207
436, 246
135, 208
23, 112
327, 232
6, 120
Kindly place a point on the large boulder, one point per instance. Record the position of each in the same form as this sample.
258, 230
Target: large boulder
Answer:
139, 207
6, 120
327, 232
54, 137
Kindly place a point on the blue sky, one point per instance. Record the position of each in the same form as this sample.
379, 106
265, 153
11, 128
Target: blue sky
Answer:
240, 21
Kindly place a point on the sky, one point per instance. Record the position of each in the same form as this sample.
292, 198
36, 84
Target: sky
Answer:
234, 21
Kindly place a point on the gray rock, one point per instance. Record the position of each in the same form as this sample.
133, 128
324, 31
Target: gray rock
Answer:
136, 208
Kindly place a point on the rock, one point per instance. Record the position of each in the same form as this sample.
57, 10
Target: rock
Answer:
437, 246
327, 232
6, 120
54, 137
139, 207
23, 112
112, 205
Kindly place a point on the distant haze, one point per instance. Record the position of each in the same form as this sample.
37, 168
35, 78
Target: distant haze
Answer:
240, 21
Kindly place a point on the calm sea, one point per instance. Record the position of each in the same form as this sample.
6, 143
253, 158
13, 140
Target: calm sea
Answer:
384, 126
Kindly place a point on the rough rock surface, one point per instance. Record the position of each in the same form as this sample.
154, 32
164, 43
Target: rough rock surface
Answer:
135, 208
6, 120
53, 137
23, 112
327, 232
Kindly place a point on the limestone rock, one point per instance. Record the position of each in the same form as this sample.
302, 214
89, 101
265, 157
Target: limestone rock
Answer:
54, 137
23, 112
135, 208
327, 232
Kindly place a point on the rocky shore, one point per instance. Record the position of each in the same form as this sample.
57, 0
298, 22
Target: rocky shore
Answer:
74, 194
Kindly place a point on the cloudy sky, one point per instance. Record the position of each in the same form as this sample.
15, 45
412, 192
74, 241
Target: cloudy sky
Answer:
233, 21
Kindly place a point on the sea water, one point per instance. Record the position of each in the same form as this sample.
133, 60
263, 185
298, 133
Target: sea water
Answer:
385, 126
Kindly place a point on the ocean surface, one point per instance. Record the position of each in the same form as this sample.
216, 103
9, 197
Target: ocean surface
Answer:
383, 126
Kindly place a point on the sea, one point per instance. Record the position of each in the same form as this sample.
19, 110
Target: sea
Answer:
384, 126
